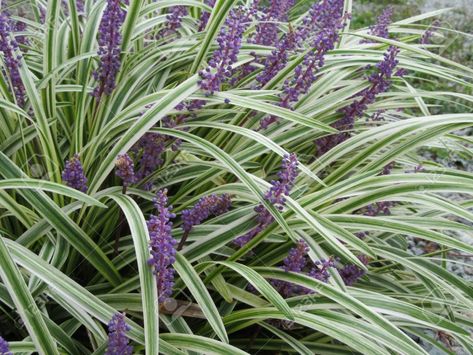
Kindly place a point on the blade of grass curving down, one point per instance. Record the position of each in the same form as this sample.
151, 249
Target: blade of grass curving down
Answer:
406, 344
201, 344
149, 294
195, 285
35, 184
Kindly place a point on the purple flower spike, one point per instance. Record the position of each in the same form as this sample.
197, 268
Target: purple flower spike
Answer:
267, 29
8, 47
277, 60
117, 338
109, 48
19, 26
79, 6
296, 258
351, 273
426, 37
295, 261
229, 41
212, 205
380, 82
380, 29
287, 177
125, 169
73, 174
4, 347
151, 146
162, 246
328, 16
275, 195
320, 269
205, 16
174, 20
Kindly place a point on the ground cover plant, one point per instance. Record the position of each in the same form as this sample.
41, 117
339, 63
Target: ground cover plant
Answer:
229, 177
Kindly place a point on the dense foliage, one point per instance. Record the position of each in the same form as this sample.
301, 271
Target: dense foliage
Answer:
230, 177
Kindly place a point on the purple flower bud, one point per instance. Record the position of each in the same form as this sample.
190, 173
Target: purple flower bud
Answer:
380, 29
295, 261
204, 16
109, 48
4, 347
329, 19
287, 177
117, 338
79, 6
315, 21
351, 273
151, 147
9, 47
267, 28
212, 205
174, 20
380, 207
320, 269
380, 81
277, 60
419, 169
162, 246
73, 174
388, 168
125, 169
426, 37
19, 26
220, 67
275, 195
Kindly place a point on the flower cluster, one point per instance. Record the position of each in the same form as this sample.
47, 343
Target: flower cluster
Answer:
73, 174
8, 47
427, 36
125, 169
162, 246
380, 29
267, 28
174, 20
283, 186
205, 16
277, 60
320, 269
79, 6
380, 82
20, 26
109, 48
212, 205
275, 195
151, 146
328, 16
297, 261
117, 338
351, 273
4, 347
229, 41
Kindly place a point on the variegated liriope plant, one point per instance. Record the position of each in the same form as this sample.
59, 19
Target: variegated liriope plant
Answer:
230, 177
